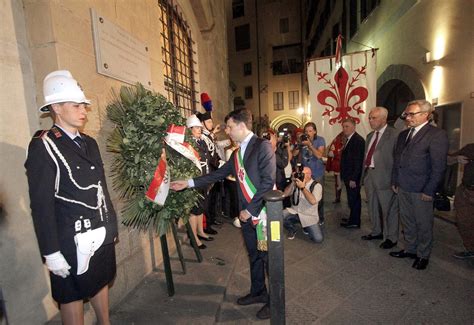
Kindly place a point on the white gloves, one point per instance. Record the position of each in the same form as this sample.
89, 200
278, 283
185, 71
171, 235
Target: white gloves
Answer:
57, 264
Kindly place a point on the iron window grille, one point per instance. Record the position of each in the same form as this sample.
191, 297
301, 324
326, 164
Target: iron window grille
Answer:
177, 53
248, 92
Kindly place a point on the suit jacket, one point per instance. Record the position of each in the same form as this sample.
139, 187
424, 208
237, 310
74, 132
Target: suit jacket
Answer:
419, 166
260, 165
54, 219
383, 157
352, 158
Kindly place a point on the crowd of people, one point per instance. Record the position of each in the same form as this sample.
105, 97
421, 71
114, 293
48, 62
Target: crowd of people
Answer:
400, 170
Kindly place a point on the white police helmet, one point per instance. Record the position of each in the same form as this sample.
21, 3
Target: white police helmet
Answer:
60, 87
192, 120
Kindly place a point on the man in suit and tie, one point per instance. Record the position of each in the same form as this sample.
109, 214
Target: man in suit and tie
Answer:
418, 168
377, 179
351, 170
254, 166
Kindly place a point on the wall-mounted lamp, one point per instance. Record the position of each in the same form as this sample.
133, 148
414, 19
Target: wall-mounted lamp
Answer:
429, 59
434, 101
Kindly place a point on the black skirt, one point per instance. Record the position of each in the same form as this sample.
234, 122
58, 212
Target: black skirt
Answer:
101, 272
201, 204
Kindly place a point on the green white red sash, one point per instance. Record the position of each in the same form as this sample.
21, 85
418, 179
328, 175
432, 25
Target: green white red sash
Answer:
249, 190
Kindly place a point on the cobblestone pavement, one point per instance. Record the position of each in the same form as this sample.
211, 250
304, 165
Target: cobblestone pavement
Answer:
344, 280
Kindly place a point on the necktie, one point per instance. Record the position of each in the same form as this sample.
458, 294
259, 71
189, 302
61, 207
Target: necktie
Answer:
80, 142
368, 159
410, 135
344, 141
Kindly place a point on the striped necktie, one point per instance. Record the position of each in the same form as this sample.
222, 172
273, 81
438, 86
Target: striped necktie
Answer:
81, 143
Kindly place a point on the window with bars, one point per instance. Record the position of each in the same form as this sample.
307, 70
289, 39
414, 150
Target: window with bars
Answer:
293, 99
248, 92
242, 37
278, 101
238, 8
178, 63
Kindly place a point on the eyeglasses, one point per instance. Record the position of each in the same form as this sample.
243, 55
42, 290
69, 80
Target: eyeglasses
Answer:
405, 115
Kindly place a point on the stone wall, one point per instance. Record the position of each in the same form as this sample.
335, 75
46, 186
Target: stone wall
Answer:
40, 36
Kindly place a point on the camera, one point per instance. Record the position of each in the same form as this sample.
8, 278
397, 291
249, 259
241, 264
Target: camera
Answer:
285, 138
298, 174
266, 135
304, 137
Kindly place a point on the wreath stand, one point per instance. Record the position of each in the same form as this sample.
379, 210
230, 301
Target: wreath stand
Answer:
166, 255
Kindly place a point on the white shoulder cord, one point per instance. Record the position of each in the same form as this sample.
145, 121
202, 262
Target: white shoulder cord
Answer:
204, 163
48, 143
209, 143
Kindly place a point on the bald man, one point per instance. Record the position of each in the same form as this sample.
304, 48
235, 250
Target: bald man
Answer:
377, 177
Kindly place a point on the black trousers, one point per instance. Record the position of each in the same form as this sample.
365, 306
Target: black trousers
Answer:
214, 206
231, 206
354, 200
257, 259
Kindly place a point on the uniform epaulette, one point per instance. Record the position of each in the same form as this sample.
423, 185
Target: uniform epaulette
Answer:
39, 133
56, 132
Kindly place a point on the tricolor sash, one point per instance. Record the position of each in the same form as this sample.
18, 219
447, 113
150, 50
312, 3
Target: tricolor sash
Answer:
249, 190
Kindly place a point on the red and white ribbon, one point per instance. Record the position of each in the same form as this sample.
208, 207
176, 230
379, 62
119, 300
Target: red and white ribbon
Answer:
175, 139
160, 185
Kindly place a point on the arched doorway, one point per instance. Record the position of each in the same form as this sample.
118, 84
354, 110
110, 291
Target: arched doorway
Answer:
394, 95
396, 86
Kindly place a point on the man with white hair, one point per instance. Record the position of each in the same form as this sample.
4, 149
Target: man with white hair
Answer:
377, 177
418, 168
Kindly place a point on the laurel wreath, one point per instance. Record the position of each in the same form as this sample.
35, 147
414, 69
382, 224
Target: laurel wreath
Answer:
141, 118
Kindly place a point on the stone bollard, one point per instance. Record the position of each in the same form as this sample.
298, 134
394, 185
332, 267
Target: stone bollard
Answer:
276, 262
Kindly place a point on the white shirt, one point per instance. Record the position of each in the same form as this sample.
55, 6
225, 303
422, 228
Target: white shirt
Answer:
69, 134
418, 128
381, 131
307, 212
244, 144
348, 139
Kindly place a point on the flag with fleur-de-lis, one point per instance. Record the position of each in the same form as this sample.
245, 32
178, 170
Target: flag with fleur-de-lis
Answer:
343, 90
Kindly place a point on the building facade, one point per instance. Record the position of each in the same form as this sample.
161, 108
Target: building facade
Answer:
423, 52
266, 60
187, 47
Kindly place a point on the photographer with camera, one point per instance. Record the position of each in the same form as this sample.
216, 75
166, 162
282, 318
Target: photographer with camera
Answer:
305, 194
310, 151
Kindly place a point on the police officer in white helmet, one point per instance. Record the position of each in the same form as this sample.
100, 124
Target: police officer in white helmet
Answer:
73, 216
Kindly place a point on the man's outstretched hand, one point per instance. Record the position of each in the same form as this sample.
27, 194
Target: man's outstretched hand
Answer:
178, 185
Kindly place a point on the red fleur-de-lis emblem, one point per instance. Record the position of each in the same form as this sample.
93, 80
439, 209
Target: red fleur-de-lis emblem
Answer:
342, 97
241, 175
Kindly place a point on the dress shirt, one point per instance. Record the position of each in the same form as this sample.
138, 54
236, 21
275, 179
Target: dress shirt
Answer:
347, 141
69, 134
418, 128
381, 131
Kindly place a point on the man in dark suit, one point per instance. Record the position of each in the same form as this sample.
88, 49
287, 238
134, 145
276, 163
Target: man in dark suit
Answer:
70, 203
253, 164
377, 179
418, 168
351, 170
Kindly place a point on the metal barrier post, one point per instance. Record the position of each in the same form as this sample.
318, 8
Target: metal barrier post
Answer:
276, 263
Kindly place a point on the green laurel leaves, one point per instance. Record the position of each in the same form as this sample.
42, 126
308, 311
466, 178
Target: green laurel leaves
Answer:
141, 118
